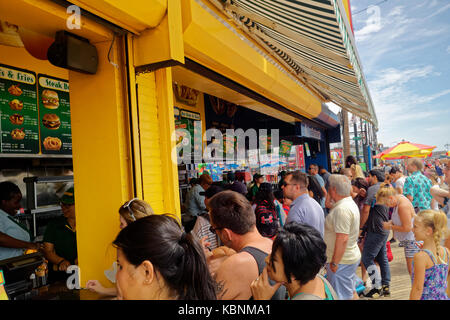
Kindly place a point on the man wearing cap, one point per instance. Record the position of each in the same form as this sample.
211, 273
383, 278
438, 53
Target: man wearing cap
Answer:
195, 202
257, 180
239, 187
202, 225
398, 178
60, 243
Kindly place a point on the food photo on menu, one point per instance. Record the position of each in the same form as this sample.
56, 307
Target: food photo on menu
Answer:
19, 111
54, 107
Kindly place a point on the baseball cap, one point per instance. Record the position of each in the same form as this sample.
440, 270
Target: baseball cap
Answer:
211, 191
395, 169
239, 187
257, 176
68, 196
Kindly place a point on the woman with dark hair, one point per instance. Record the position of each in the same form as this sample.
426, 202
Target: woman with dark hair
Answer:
267, 221
129, 212
298, 255
359, 190
158, 261
349, 161
315, 190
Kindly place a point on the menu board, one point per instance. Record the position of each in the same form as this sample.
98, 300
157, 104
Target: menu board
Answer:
19, 112
54, 115
285, 148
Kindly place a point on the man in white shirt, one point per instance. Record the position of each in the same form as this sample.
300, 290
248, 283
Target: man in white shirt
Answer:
398, 178
341, 237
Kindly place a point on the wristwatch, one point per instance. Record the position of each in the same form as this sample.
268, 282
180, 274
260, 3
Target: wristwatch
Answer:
333, 264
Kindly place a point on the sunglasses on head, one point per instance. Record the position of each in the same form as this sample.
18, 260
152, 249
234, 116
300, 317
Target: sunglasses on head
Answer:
127, 206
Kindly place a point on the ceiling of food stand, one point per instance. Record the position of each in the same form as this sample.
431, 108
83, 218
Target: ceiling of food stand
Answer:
315, 40
192, 80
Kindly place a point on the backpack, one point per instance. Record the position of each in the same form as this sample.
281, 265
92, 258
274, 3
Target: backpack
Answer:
267, 221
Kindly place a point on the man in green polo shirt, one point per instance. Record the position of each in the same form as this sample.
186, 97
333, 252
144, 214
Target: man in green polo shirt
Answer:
60, 243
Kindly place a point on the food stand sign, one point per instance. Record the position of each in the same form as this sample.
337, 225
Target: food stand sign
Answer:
301, 158
285, 148
54, 115
19, 111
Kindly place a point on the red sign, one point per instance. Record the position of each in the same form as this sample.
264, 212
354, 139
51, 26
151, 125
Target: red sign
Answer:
301, 158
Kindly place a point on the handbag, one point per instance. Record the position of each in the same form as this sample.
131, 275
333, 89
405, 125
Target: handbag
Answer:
390, 256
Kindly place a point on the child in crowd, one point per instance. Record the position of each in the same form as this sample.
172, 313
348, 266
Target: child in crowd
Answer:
430, 265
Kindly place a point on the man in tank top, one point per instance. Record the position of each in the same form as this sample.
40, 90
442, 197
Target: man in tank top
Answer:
233, 219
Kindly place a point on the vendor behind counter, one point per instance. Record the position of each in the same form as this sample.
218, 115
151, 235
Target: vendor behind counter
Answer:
60, 243
14, 237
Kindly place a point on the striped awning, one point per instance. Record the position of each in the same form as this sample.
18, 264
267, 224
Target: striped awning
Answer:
313, 39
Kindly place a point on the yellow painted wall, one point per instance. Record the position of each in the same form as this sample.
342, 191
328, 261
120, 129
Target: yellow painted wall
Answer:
152, 181
156, 124
19, 57
102, 176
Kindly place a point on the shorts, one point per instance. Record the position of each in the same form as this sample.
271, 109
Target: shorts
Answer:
410, 247
344, 280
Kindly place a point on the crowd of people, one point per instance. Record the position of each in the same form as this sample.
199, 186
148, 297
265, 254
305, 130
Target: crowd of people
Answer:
303, 239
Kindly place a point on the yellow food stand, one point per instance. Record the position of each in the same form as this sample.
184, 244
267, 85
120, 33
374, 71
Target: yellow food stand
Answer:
122, 115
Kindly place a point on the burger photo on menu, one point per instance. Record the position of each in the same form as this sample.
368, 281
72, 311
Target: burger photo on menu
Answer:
50, 99
52, 143
51, 121
16, 104
16, 119
17, 134
15, 90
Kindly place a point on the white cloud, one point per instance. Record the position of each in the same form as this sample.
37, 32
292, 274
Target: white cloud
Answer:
448, 49
394, 102
396, 11
369, 29
443, 9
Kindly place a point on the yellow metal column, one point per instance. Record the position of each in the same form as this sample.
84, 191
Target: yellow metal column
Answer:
156, 126
101, 159
164, 95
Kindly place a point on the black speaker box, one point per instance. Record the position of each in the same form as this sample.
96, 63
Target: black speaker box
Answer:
72, 52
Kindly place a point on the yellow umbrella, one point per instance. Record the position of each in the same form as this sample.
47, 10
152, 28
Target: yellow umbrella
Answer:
405, 150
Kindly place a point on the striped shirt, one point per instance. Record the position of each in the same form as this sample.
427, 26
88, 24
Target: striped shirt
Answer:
201, 229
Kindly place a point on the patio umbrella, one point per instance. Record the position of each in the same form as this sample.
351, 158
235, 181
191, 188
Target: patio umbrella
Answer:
406, 149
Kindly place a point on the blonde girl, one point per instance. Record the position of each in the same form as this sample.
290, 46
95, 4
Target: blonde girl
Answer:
357, 171
430, 265
401, 222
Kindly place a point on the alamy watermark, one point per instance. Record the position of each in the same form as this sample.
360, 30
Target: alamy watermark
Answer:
231, 146
74, 20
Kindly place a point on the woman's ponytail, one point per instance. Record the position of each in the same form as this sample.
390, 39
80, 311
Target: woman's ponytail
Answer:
437, 220
176, 255
195, 282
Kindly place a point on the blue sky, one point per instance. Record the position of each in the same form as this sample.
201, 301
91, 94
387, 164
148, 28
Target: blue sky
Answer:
404, 47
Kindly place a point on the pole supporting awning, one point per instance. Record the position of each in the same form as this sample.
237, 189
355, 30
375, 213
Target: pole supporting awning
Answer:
314, 40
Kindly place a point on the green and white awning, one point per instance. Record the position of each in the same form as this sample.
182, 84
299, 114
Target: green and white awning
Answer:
314, 40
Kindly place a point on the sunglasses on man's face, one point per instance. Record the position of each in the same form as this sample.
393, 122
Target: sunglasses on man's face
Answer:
213, 230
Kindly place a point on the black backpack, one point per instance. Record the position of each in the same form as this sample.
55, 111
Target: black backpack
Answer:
267, 221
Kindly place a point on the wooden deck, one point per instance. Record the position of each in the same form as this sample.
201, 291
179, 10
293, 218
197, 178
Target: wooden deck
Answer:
400, 280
